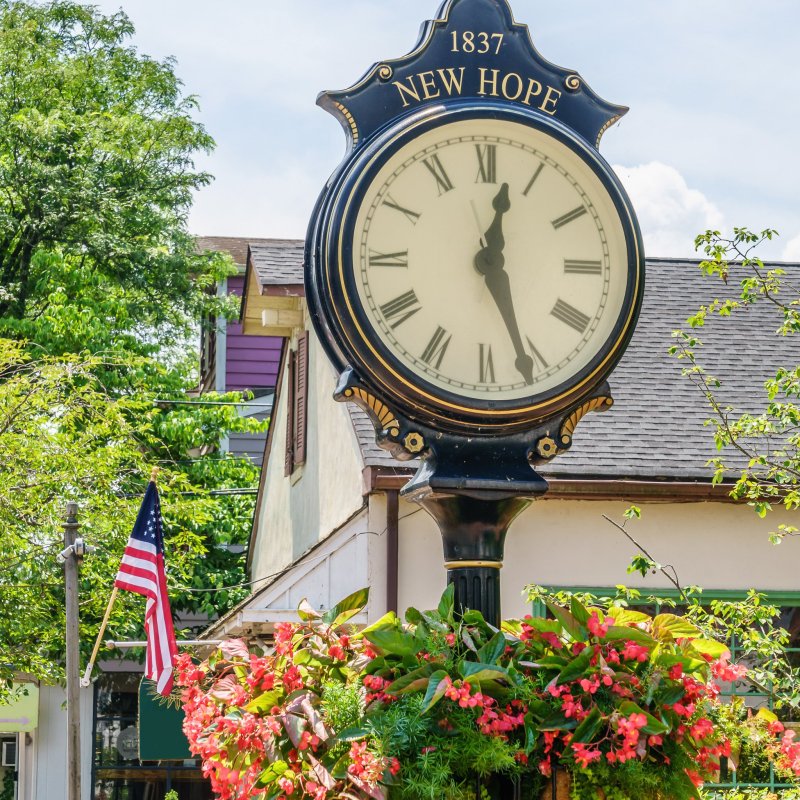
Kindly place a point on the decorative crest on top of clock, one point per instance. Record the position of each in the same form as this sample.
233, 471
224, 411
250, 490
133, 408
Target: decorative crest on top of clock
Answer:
473, 50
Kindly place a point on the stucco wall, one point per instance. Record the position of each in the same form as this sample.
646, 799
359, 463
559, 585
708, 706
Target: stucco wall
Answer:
568, 543
325, 492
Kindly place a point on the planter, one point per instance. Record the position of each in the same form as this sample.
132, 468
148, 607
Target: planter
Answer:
560, 785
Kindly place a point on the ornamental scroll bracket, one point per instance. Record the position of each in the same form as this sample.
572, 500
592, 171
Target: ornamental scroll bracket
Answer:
450, 463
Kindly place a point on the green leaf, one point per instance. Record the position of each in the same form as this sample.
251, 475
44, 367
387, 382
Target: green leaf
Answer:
493, 649
654, 726
579, 611
589, 726
670, 626
576, 668
568, 622
437, 685
447, 603
264, 703
388, 620
393, 641
708, 647
558, 722
277, 769
624, 634
347, 608
352, 734
475, 672
404, 683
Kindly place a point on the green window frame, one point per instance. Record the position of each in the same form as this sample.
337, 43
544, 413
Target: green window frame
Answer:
781, 599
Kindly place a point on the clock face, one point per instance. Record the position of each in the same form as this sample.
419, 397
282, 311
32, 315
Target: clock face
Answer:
489, 262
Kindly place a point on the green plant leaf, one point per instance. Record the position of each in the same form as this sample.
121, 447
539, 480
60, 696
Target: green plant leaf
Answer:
436, 689
617, 633
576, 668
708, 647
264, 702
558, 722
589, 726
274, 771
493, 649
653, 726
404, 683
568, 622
393, 640
446, 607
352, 734
579, 611
671, 626
347, 608
388, 620
475, 672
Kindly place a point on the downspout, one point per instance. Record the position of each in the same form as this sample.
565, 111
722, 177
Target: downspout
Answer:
392, 549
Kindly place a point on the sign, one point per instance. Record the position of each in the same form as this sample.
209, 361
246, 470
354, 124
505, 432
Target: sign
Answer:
21, 715
160, 727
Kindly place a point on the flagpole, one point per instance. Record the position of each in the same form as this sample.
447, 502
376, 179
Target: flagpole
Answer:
87, 675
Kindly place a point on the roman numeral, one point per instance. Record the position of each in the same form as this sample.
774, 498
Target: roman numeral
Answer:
571, 316
437, 347
486, 364
538, 359
570, 216
401, 309
435, 167
377, 259
487, 163
533, 179
583, 267
411, 216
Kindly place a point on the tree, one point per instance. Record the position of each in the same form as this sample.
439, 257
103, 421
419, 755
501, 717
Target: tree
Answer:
101, 288
759, 446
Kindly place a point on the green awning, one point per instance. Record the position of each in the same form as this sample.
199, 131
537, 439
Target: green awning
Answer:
22, 715
160, 727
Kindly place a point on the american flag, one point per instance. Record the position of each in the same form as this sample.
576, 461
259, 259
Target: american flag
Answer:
142, 571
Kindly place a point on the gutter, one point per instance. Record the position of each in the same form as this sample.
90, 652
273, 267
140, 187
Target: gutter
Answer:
391, 479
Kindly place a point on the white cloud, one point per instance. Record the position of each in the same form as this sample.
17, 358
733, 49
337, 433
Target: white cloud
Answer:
670, 213
792, 250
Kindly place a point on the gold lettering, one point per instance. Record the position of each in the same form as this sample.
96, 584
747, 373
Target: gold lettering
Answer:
506, 92
409, 91
534, 90
491, 82
451, 83
552, 96
428, 84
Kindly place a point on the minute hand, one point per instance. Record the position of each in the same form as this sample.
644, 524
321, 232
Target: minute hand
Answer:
490, 262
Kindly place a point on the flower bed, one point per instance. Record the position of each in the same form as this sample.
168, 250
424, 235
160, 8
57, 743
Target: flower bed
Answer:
624, 702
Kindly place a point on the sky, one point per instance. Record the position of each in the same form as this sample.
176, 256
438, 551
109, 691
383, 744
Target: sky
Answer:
711, 140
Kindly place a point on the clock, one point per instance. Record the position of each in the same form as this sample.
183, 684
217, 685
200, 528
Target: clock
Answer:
481, 266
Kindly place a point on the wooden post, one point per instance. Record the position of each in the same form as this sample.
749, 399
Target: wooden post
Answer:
73, 655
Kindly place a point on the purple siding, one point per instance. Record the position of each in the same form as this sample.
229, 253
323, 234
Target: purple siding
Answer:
252, 361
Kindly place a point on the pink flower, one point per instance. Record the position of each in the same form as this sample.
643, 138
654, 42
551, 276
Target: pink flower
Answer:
597, 626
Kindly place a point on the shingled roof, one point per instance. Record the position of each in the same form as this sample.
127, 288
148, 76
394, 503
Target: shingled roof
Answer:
236, 246
278, 262
656, 430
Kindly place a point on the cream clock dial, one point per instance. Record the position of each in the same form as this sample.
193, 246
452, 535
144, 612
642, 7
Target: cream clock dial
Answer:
490, 261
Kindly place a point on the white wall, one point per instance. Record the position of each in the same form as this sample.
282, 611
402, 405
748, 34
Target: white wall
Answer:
44, 759
568, 543
298, 513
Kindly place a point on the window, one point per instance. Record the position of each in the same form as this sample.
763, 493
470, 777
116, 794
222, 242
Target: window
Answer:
117, 773
296, 405
788, 604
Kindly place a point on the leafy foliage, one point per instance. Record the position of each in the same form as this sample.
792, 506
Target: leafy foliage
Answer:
101, 289
767, 439
623, 701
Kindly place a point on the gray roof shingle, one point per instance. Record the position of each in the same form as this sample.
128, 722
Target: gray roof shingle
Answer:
656, 428
278, 262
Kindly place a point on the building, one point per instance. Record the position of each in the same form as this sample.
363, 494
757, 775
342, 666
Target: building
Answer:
330, 519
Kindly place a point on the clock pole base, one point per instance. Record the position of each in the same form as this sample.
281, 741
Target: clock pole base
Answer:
473, 534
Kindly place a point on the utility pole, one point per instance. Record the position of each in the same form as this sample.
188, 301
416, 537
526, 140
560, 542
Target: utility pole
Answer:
71, 555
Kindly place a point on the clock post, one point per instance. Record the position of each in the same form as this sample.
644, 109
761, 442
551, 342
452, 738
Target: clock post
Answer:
474, 271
